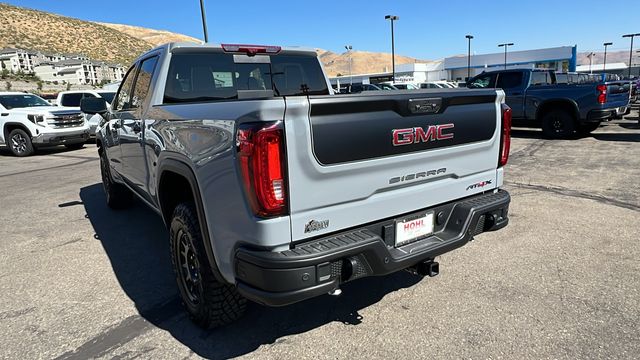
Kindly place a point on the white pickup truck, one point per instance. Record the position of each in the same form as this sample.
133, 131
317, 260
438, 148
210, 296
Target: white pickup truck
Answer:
27, 121
72, 98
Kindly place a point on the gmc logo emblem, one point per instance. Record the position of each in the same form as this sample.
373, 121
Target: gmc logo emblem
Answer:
418, 134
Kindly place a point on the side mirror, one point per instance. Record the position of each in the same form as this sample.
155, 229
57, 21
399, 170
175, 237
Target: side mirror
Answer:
93, 106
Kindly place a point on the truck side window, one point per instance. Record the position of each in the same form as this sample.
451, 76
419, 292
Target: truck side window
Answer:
483, 81
509, 80
143, 81
540, 78
121, 100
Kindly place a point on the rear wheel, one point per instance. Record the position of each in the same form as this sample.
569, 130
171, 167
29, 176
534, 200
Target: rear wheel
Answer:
558, 124
589, 127
209, 303
20, 143
118, 196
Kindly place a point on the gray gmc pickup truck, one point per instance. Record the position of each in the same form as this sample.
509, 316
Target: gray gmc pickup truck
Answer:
276, 190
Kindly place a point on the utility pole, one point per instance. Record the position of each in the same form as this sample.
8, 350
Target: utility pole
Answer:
590, 56
204, 22
505, 45
630, 49
469, 37
349, 48
393, 48
604, 65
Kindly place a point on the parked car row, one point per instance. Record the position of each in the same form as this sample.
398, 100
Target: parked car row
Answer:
389, 85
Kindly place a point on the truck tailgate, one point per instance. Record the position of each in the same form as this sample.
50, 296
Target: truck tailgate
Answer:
354, 159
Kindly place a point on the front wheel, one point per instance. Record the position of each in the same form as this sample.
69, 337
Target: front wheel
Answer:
558, 124
20, 143
209, 302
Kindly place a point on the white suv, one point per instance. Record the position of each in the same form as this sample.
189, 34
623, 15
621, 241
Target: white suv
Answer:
72, 99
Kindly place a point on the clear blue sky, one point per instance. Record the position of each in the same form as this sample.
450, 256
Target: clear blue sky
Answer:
427, 29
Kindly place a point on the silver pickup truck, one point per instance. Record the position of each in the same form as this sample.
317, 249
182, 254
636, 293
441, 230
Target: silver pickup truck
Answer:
276, 190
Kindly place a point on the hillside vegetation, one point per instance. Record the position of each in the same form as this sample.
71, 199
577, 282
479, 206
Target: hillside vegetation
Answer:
38, 30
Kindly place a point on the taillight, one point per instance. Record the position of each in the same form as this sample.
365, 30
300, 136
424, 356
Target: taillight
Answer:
251, 49
262, 164
505, 140
602, 94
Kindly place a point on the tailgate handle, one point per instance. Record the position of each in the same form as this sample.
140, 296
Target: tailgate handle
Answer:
425, 106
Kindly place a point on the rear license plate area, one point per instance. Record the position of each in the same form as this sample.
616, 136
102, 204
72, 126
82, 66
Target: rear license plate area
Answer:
413, 228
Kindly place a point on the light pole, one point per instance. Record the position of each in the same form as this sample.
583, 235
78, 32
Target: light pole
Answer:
630, 49
590, 56
393, 48
349, 48
505, 45
604, 65
469, 37
204, 22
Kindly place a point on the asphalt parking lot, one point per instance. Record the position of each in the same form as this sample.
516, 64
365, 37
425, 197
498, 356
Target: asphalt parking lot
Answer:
561, 281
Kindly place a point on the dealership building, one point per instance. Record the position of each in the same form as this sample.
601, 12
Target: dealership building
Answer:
563, 58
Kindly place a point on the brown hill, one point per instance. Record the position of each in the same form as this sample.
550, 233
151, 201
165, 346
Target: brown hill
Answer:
38, 30
154, 37
612, 57
363, 62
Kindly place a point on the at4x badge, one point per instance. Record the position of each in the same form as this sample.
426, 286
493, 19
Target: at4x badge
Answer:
481, 184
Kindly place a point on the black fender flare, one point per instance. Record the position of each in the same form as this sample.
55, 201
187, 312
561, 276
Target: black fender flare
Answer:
570, 102
175, 164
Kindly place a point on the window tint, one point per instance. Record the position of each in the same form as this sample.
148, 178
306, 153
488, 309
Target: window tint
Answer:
298, 75
509, 80
143, 81
108, 96
121, 101
213, 76
71, 99
540, 78
483, 81
21, 101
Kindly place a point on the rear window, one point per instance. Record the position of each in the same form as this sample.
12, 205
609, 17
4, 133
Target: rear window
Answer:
210, 76
540, 78
509, 80
74, 99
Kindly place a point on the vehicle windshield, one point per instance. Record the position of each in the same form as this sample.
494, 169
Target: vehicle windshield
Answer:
387, 87
22, 101
108, 96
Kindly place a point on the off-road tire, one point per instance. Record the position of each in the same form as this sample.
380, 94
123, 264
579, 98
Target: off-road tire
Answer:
76, 146
209, 302
19, 143
558, 124
118, 196
588, 128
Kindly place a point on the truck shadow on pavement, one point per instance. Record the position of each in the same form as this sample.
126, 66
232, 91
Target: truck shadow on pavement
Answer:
136, 242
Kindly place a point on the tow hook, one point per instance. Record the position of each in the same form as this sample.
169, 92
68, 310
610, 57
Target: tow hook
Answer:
428, 268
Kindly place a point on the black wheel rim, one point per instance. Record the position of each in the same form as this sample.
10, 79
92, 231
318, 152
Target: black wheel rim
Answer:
189, 268
19, 143
557, 124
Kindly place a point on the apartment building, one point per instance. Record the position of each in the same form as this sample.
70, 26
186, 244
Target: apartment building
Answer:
18, 60
78, 71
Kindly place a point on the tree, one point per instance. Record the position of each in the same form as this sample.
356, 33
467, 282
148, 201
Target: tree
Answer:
68, 86
39, 85
8, 85
4, 73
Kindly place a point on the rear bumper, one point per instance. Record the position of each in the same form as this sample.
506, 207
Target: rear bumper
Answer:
319, 266
599, 115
